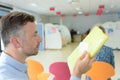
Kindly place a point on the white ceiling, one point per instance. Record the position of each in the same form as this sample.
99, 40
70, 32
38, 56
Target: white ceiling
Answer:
65, 7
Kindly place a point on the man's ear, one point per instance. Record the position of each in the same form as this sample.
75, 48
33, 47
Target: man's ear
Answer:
15, 41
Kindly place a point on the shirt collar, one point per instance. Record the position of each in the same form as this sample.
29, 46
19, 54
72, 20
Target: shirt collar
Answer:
13, 62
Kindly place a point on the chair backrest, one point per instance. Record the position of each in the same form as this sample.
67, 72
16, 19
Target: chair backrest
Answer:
60, 70
100, 71
35, 70
43, 76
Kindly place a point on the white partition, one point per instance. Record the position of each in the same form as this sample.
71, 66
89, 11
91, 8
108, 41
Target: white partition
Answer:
117, 34
52, 37
61, 33
113, 30
65, 34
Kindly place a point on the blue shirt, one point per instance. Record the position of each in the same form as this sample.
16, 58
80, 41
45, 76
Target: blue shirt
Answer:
74, 78
106, 54
11, 69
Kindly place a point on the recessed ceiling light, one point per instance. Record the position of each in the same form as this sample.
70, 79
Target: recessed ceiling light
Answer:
33, 4
74, 3
69, 1
80, 12
107, 11
77, 8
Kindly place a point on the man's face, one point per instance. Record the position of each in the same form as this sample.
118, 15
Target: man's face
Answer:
30, 39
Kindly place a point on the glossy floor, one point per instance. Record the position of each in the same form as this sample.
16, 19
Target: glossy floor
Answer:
47, 57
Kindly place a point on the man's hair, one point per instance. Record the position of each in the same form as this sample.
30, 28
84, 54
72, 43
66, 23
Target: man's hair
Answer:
103, 29
12, 23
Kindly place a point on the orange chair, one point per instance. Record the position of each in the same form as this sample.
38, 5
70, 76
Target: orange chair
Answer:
43, 76
100, 71
36, 70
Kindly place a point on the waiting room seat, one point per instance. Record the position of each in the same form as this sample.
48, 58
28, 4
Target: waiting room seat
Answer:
100, 71
36, 70
60, 71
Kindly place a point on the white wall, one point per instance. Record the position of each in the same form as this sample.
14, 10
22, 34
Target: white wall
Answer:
36, 15
82, 23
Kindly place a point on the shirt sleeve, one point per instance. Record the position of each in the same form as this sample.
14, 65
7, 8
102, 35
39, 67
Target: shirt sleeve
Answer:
74, 78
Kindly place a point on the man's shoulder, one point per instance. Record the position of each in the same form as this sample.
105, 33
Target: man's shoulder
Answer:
5, 69
107, 47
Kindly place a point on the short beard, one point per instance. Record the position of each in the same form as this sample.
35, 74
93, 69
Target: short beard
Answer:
35, 52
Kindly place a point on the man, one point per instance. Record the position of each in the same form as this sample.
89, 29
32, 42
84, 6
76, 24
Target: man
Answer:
105, 54
21, 40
